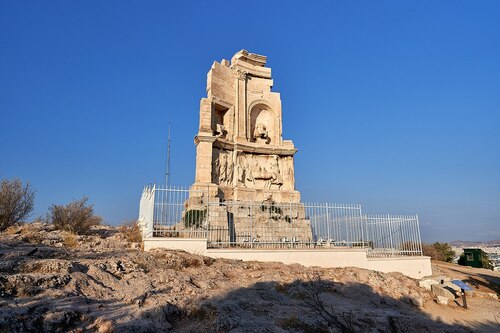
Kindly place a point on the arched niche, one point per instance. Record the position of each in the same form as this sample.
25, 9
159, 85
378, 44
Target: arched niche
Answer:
263, 124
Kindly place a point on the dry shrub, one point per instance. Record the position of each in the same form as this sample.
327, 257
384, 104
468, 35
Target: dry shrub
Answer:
208, 261
205, 313
31, 236
76, 217
131, 231
70, 239
16, 202
295, 324
281, 288
439, 251
192, 262
14, 230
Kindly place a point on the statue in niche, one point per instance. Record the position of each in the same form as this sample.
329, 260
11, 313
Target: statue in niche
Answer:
260, 134
220, 131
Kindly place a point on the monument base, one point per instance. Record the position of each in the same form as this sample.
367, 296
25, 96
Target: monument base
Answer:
202, 193
259, 195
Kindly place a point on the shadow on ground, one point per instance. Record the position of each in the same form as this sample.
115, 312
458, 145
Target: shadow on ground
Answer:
302, 306
110, 288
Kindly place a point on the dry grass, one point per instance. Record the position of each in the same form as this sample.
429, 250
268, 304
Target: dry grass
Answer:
192, 262
208, 261
131, 231
70, 240
206, 313
13, 230
295, 324
30, 235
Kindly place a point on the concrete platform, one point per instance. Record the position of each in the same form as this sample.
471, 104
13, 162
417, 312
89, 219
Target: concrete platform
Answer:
412, 266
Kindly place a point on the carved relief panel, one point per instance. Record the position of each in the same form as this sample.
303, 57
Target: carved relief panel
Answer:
222, 167
263, 171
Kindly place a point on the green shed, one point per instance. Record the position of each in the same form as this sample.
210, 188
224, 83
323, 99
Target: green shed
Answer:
473, 258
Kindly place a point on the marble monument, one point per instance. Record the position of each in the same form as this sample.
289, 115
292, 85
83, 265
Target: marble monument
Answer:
240, 151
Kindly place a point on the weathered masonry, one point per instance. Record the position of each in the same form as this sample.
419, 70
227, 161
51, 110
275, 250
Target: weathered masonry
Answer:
244, 204
240, 151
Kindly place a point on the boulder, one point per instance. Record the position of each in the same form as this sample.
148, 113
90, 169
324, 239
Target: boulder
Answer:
442, 290
442, 300
427, 283
417, 300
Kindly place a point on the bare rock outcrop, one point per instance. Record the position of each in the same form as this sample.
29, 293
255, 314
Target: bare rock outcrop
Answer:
105, 284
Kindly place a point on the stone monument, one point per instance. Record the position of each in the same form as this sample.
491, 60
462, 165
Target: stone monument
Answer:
240, 151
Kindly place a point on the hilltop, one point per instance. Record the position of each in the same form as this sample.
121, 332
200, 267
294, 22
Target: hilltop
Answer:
53, 282
464, 244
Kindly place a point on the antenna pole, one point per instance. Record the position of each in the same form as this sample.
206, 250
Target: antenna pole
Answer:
167, 172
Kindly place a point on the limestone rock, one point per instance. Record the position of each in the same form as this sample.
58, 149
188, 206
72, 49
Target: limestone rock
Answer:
417, 300
113, 288
442, 300
427, 283
443, 291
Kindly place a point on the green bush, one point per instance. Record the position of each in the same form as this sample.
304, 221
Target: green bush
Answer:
272, 209
194, 218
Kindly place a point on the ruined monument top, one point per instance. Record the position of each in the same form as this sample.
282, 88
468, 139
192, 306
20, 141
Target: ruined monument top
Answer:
251, 58
240, 151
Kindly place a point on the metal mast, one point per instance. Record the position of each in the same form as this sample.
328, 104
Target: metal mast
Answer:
167, 172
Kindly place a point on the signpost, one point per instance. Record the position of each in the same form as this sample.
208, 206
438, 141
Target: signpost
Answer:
463, 288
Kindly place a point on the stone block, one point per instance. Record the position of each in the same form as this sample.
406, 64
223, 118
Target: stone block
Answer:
427, 283
442, 300
442, 290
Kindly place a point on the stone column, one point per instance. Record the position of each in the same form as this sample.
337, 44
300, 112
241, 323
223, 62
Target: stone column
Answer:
205, 116
240, 105
204, 158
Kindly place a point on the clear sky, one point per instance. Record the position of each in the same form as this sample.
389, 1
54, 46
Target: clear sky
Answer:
392, 104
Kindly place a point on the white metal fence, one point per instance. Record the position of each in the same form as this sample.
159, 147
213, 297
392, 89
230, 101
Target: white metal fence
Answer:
390, 235
178, 212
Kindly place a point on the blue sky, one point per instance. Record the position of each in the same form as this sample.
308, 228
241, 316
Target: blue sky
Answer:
392, 104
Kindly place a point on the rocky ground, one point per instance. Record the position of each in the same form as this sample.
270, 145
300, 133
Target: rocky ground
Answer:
54, 282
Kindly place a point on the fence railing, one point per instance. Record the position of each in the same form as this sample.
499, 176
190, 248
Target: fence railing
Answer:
182, 213
393, 235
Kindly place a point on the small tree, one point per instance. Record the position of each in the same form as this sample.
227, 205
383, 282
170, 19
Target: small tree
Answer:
439, 251
485, 260
16, 202
76, 217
